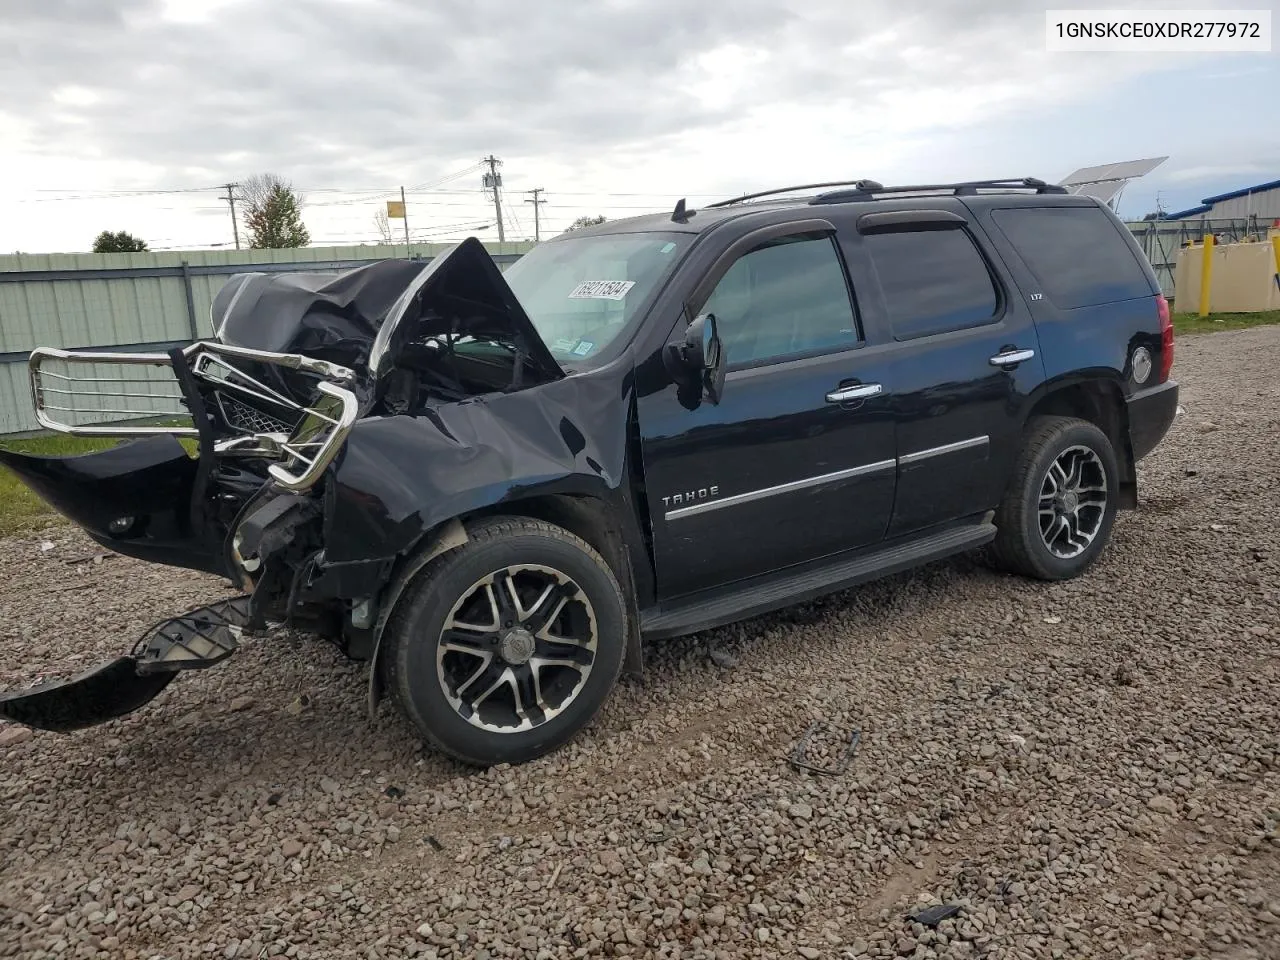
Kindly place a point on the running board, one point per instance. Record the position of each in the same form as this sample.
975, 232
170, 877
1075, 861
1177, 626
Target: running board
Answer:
197, 639
754, 597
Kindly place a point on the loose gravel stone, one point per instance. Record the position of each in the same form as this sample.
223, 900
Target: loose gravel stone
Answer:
1104, 785
11, 736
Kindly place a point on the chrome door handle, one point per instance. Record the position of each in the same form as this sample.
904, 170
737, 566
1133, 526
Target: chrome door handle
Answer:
1012, 358
857, 392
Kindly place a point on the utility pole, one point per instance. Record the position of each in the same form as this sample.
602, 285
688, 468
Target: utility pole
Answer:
404, 209
231, 199
493, 180
537, 233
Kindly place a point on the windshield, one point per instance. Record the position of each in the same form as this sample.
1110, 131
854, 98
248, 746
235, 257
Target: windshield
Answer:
582, 292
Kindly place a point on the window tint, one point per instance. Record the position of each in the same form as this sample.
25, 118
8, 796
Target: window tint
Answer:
782, 299
934, 281
1076, 254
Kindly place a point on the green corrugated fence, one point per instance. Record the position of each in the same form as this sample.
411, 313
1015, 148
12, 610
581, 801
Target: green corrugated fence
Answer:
142, 301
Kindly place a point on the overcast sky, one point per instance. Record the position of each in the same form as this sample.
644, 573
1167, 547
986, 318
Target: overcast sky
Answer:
612, 106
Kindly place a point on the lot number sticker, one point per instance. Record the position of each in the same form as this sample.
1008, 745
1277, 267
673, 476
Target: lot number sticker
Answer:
601, 289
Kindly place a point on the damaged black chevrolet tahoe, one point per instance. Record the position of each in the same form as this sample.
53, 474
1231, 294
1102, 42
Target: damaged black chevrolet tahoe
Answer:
495, 486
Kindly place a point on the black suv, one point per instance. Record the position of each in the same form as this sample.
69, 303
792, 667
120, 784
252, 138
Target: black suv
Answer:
495, 486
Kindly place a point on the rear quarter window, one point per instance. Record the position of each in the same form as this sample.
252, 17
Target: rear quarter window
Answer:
1076, 254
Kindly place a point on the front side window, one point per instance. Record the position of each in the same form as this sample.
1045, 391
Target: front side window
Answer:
785, 298
582, 292
934, 281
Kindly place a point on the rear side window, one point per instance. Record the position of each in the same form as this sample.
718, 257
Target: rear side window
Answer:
1077, 254
934, 281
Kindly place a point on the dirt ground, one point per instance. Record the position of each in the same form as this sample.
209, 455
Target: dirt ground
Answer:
1086, 769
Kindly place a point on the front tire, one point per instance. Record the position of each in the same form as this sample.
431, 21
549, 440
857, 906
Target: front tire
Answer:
506, 647
1058, 511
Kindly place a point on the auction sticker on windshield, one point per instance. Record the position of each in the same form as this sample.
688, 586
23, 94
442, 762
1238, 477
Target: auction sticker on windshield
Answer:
601, 289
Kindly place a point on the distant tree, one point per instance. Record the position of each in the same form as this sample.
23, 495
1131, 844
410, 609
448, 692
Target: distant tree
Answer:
120, 241
585, 222
383, 224
1154, 215
273, 213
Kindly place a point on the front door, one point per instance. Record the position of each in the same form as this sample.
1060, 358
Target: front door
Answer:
797, 460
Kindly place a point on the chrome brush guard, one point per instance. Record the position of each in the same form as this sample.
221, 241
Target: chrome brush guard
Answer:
321, 429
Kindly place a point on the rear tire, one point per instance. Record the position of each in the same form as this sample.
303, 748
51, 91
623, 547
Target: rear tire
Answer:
1059, 508
505, 648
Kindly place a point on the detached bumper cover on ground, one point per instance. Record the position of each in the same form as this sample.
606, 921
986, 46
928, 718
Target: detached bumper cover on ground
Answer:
198, 639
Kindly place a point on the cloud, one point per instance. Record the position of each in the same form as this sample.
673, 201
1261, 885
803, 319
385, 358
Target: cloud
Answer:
1211, 172
613, 96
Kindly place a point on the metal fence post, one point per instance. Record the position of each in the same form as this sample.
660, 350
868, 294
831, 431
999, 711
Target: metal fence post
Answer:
191, 302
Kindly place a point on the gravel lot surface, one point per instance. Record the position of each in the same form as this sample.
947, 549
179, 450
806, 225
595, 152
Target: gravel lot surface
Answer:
1086, 769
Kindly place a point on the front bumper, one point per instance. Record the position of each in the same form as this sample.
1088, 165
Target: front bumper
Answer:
1151, 414
135, 499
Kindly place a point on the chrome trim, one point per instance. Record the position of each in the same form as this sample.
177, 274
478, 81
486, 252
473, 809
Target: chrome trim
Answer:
39, 390
1012, 358
794, 485
856, 392
316, 465
313, 454
944, 449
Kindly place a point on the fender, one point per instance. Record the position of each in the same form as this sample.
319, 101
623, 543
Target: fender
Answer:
449, 537
1096, 395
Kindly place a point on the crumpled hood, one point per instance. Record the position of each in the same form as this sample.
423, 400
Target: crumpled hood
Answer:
358, 317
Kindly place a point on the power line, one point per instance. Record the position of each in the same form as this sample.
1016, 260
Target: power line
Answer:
452, 176
375, 194
515, 219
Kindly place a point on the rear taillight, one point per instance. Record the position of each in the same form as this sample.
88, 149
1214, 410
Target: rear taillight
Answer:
1166, 337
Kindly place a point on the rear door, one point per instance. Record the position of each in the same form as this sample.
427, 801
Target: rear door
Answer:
966, 358
797, 460
1091, 291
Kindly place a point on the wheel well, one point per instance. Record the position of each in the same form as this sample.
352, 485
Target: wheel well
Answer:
592, 520
1102, 404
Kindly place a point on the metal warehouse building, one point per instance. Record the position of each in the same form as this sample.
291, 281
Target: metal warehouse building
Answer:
1261, 201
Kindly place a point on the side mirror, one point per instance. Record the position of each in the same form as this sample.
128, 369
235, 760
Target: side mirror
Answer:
699, 360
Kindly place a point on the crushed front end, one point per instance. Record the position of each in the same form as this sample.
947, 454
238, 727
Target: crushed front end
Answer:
230, 443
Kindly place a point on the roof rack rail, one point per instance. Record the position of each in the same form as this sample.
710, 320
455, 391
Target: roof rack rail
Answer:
804, 186
965, 188
868, 189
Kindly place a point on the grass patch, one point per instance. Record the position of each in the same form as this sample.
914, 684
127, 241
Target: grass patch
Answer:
1194, 323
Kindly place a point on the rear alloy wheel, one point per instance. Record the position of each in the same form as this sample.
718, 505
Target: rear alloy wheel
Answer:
1060, 505
507, 646
1073, 502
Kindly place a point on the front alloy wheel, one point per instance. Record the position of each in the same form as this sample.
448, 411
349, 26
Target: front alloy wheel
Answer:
504, 648
517, 648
